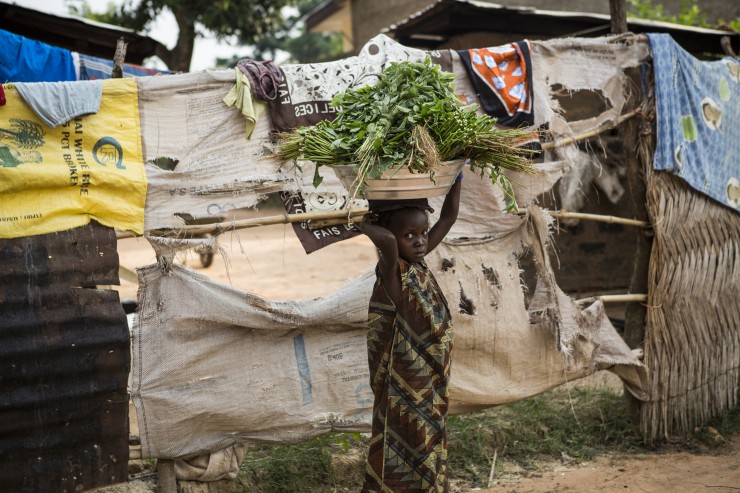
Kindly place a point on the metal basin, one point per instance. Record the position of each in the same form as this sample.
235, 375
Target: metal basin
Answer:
401, 183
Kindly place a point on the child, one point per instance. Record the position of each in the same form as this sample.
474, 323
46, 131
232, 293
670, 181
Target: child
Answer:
409, 344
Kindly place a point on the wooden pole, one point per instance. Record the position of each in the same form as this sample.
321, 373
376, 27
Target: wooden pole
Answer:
166, 476
118, 59
615, 298
599, 218
590, 133
635, 313
323, 218
346, 215
618, 12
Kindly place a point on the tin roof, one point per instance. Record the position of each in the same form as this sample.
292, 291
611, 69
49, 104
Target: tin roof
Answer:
76, 33
433, 26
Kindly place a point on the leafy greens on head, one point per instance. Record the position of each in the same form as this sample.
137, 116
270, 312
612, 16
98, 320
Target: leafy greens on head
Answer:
410, 118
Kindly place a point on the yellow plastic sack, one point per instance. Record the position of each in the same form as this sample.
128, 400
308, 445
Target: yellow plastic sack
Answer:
53, 179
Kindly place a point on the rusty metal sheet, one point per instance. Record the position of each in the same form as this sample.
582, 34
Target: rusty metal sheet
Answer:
64, 362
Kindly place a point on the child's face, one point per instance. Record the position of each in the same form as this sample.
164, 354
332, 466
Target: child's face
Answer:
410, 227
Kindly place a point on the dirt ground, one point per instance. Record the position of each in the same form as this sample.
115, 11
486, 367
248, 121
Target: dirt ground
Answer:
269, 261
660, 472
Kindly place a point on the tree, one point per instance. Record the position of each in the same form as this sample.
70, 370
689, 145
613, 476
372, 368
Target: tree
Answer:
293, 38
689, 14
249, 20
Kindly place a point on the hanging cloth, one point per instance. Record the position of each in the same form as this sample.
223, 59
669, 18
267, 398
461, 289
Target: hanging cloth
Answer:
502, 77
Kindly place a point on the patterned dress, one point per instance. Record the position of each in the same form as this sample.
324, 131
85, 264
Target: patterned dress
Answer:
409, 354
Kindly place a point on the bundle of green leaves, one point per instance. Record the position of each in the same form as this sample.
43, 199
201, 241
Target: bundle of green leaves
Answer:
410, 118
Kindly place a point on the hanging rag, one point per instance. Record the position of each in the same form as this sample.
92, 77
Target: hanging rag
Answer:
56, 103
240, 96
264, 76
502, 77
698, 116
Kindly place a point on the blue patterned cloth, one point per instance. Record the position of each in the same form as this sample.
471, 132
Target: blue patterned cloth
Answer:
698, 113
92, 67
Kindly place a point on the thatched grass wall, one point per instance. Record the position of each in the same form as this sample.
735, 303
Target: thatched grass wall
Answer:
692, 338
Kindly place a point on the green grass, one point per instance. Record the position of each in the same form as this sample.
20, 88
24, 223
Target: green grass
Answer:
555, 426
315, 466
579, 424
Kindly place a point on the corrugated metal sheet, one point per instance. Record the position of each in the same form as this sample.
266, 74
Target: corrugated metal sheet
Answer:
64, 361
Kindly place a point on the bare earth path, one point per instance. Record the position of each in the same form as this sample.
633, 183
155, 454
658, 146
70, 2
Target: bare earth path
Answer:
673, 472
269, 261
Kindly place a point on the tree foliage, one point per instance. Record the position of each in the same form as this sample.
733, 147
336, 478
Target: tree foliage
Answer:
249, 20
293, 38
689, 14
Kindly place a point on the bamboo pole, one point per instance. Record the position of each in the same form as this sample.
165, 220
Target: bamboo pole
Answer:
615, 298
591, 133
599, 218
218, 228
323, 218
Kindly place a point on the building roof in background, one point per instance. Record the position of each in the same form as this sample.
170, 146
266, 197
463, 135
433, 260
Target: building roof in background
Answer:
75, 33
321, 12
431, 27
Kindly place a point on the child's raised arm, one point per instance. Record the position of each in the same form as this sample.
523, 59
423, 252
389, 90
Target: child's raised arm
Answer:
447, 216
387, 247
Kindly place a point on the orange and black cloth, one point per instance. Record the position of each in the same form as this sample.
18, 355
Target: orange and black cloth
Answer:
502, 77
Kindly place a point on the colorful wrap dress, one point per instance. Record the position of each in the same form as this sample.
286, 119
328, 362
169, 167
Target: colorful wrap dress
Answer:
409, 349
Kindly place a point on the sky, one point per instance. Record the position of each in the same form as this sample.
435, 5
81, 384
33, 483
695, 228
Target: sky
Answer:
165, 31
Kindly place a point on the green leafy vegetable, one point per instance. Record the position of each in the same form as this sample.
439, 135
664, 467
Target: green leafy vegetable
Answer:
410, 118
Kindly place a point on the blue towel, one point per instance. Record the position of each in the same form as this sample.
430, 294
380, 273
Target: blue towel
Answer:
26, 60
698, 113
